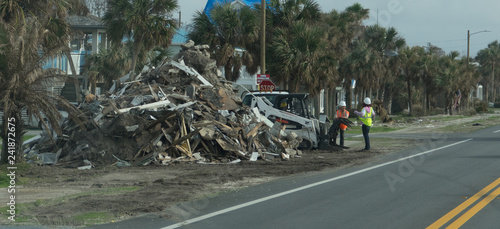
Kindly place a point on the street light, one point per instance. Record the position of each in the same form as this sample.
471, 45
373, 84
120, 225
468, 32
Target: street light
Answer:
468, 41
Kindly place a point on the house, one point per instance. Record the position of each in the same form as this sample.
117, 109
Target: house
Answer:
89, 36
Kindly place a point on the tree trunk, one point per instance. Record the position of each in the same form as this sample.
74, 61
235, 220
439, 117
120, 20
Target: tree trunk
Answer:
382, 93
389, 105
136, 50
334, 102
493, 91
11, 133
93, 86
486, 93
424, 105
348, 97
327, 101
409, 96
74, 76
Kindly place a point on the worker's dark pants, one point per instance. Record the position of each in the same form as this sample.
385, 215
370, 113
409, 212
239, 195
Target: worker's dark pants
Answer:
342, 137
366, 130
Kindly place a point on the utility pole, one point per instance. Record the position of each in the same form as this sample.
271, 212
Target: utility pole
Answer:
468, 45
179, 19
263, 39
468, 41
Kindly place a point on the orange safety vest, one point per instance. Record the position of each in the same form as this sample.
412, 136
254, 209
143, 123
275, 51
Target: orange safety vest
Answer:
345, 114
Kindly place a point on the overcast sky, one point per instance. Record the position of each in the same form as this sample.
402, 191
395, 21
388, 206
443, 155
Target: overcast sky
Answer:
442, 23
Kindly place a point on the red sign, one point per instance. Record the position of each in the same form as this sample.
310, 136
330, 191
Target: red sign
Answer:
267, 85
261, 77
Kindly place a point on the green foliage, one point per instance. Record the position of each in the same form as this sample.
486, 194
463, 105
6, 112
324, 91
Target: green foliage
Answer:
481, 106
226, 29
91, 218
143, 22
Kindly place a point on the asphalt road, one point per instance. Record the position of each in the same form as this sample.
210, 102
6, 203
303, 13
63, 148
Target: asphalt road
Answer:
448, 180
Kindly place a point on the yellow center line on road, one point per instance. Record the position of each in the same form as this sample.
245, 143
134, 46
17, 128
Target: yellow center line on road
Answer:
466, 216
440, 222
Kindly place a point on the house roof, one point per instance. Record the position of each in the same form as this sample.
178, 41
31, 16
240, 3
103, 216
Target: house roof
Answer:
211, 3
181, 36
85, 22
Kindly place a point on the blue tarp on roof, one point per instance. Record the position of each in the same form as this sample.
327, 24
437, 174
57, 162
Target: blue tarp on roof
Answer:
211, 3
181, 36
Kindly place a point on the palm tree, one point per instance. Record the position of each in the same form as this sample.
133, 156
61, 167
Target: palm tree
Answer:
489, 59
144, 22
301, 57
30, 33
355, 67
225, 30
412, 68
108, 65
342, 28
448, 78
430, 66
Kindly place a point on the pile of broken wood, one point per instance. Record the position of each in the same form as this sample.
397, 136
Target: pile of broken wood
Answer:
179, 111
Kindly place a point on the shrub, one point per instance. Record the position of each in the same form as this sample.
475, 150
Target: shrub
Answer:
417, 110
469, 112
480, 106
437, 111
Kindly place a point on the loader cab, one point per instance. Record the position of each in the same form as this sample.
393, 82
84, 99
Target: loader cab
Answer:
296, 103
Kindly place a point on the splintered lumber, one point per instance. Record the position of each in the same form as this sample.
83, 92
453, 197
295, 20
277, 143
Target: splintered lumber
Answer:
184, 132
182, 139
254, 130
147, 106
191, 71
167, 116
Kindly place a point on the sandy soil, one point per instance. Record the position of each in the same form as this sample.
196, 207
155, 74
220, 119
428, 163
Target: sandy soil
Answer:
50, 195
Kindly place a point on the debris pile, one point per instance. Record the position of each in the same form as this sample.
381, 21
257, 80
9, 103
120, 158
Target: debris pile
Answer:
179, 111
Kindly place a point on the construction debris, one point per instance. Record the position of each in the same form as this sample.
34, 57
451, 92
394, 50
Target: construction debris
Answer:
179, 111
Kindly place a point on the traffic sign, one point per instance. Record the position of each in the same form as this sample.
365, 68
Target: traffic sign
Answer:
261, 77
267, 85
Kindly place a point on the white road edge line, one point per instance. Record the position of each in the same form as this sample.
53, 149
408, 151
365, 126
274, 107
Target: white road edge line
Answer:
496, 131
357, 136
223, 211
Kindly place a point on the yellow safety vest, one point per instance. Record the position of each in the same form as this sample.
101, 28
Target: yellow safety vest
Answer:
367, 119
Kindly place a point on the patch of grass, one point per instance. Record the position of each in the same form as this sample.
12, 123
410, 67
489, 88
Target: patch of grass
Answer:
103, 191
5, 180
25, 137
91, 218
20, 217
23, 210
468, 127
448, 118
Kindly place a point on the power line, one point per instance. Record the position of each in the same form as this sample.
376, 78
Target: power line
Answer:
434, 42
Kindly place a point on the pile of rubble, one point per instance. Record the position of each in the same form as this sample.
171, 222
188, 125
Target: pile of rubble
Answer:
179, 111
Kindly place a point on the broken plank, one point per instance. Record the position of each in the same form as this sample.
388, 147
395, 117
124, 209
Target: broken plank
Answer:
254, 130
191, 71
154, 105
254, 156
181, 139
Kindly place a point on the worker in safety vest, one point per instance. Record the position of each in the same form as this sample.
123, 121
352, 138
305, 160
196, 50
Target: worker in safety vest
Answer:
366, 116
341, 113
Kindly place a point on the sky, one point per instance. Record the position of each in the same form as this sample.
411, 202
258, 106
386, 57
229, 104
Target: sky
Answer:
443, 23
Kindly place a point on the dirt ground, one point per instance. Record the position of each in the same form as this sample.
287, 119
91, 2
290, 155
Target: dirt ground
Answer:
51, 195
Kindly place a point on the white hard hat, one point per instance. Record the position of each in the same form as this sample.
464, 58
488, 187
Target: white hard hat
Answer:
367, 101
342, 104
